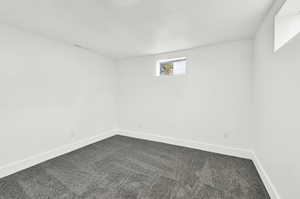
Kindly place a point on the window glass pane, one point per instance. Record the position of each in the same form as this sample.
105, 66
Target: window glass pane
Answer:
171, 67
166, 68
179, 67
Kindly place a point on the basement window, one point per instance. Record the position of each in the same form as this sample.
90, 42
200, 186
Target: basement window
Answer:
287, 23
171, 67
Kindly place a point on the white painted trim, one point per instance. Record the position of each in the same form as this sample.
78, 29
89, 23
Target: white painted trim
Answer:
237, 152
39, 158
265, 178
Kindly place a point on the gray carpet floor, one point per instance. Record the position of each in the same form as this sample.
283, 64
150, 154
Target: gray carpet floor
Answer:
127, 168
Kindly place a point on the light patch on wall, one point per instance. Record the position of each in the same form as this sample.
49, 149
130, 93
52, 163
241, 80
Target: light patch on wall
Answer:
171, 67
287, 23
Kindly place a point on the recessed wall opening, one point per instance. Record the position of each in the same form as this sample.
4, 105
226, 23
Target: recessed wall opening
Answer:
171, 67
286, 23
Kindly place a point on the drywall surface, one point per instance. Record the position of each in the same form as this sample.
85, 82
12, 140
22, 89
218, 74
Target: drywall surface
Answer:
210, 104
51, 95
277, 98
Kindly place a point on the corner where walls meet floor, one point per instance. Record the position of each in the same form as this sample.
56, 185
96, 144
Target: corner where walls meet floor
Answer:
237, 152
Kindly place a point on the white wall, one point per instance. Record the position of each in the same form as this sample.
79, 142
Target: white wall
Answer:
210, 104
277, 94
50, 95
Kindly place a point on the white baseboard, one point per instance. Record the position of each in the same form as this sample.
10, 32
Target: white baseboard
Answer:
231, 151
237, 152
265, 178
39, 158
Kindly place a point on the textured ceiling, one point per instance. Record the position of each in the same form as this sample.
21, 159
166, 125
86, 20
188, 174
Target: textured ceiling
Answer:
124, 28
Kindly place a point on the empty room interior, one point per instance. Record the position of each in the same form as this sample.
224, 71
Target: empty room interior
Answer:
149, 99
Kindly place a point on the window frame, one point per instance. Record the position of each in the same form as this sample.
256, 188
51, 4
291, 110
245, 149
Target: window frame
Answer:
160, 61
